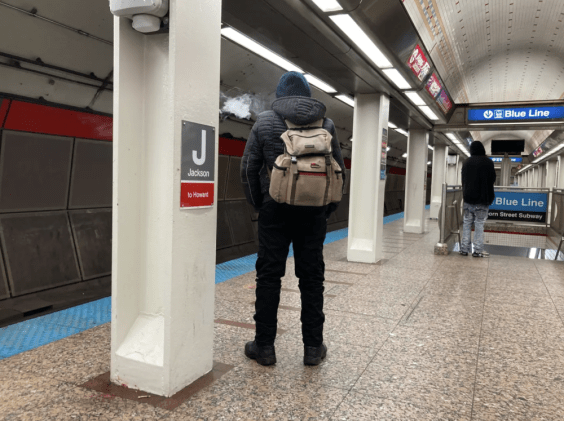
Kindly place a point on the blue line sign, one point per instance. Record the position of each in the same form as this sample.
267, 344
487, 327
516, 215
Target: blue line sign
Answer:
517, 206
516, 114
494, 159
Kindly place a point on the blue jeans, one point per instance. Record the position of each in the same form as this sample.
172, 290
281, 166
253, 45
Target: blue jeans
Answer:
477, 215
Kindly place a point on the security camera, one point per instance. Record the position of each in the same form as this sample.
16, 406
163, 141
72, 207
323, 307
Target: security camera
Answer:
146, 14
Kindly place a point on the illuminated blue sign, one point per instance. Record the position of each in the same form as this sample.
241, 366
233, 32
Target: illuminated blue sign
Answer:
516, 114
517, 206
512, 159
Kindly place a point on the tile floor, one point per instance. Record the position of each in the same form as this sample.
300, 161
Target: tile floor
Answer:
418, 337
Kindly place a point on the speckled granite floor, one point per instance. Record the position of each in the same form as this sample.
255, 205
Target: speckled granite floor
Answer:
419, 337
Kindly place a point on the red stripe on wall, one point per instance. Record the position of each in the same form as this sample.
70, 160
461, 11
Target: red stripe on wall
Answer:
4, 107
398, 171
231, 147
38, 118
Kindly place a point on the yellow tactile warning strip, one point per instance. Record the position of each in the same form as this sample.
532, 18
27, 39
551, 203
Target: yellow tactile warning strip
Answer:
103, 384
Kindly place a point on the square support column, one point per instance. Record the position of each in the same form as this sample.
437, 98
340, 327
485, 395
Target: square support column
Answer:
438, 179
163, 257
452, 166
551, 174
560, 180
416, 181
366, 212
536, 177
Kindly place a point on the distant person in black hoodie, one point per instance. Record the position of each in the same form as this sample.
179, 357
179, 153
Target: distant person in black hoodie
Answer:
478, 178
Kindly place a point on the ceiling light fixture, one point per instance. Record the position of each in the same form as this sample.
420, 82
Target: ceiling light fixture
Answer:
388, 149
392, 125
429, 163
428, 112
452, 136
403, 132
319, 84
359, 37
430, 147
404, 155
397, 78
328, 5
415, 98
346, 99
258, 49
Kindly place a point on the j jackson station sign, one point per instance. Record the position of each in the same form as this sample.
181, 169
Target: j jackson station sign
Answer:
516, 206
490, 115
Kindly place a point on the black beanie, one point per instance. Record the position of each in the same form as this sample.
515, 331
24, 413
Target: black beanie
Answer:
293, 84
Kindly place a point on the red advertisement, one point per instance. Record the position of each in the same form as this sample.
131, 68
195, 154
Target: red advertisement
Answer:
419, 64
538, 151
434, 86
444, 102
196, 195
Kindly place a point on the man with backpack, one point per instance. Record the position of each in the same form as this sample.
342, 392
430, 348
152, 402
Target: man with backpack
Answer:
293, 173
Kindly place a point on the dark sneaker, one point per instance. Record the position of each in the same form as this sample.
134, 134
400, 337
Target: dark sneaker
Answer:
314, 354
482, 254
464, 253
265, 355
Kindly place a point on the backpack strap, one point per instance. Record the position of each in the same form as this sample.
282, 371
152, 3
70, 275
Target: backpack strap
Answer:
315, 125
328, 169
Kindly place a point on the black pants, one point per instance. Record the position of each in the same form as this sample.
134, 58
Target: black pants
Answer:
305, 227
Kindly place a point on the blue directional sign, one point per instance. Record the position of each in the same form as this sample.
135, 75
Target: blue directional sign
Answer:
490, 115
501, 159
517, 206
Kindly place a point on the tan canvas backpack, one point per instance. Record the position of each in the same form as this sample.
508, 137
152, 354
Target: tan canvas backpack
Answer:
306, 174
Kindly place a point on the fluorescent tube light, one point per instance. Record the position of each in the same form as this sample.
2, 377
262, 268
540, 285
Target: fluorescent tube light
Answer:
430, 147
452, 137
428, 112
403, 132
328, 5
429, 163
388, 149
258, 49
392, 125
404, 155
320, 84
397, 78
347, 100
415, 98
359, 37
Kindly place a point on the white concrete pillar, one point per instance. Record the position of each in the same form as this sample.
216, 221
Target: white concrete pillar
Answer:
438, 178
560, 180
536, 177
550, 174
452, 164
459, 164
530, 177
416, 181
163, 267
366, 211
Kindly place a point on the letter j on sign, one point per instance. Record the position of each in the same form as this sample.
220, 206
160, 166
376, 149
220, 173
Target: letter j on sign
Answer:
197, 179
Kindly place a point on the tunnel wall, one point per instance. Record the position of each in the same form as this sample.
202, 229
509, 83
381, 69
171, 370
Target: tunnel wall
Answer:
56, 198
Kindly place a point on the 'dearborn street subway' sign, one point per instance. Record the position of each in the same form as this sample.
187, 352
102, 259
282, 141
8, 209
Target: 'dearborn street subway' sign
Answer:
492, 115
198, 165
517, 206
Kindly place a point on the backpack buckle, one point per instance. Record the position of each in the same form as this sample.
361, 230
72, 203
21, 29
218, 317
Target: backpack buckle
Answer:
294, 160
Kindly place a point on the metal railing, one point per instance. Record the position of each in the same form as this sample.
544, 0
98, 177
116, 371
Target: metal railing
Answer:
556, 221
450, 213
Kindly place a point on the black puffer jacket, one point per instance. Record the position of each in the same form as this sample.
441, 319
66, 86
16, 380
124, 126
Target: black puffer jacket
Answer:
264, 144
478, 177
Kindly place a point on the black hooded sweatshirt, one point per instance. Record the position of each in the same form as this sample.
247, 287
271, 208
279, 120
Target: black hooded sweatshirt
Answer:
478, 177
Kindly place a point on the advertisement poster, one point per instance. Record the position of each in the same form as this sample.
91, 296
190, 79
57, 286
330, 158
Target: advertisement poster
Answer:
517, 206
444, 102
419, 64
434, 86
384, 154
538, 151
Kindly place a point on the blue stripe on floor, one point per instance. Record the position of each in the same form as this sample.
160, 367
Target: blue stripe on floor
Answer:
43, 330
